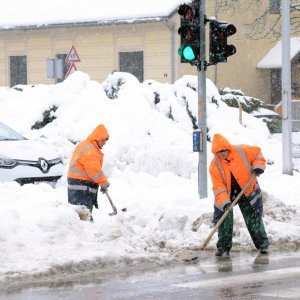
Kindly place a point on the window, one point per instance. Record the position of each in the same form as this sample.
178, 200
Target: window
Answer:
18, 70
275, 6
296, 77
132, 62
66, 66
275, 86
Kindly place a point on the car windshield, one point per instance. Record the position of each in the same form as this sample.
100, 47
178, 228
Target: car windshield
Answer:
8, 134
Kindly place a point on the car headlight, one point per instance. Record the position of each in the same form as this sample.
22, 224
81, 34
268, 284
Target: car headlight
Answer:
7, 163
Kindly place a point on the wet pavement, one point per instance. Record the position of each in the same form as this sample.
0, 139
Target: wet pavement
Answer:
245, 275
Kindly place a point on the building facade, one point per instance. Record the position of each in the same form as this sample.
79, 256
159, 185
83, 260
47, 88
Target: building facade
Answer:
142, 49
145, 48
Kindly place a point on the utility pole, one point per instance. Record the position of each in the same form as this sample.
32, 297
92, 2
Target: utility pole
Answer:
287, 161
192, 50
202, 165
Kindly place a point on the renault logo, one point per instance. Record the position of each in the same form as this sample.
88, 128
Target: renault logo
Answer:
44, 165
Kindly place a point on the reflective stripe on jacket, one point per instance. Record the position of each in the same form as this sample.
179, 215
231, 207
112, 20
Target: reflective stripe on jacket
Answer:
82, 192
87, 160
242, 159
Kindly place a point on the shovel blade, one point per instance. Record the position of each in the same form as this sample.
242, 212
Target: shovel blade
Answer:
113, 213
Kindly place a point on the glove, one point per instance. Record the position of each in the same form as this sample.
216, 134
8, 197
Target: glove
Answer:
226, 206
257, 172
104, 189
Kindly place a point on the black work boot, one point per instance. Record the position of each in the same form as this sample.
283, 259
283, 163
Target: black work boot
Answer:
264, 250
222, 253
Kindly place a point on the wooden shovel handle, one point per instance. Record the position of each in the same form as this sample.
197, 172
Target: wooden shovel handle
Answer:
228, 211
111, 203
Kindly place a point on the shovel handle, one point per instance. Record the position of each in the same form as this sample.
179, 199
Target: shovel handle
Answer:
111, 203
228, 211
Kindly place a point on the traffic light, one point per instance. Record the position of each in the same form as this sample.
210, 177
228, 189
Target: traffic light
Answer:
189, 32
218, 48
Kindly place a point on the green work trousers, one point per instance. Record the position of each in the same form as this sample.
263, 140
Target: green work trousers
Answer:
254, 224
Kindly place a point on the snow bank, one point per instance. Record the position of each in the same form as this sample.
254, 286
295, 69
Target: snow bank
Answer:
151, 168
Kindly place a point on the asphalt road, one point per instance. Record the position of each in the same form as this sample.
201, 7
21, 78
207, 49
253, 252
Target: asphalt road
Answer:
245, 275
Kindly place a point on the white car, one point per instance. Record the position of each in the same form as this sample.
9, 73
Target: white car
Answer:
27, 161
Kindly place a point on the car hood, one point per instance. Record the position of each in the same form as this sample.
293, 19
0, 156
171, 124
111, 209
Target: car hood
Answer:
27, 150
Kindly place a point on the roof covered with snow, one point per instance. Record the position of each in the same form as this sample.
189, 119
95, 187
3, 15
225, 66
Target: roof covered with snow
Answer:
273, 59
20, 13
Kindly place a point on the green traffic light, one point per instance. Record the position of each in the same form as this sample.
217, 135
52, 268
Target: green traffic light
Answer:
187, 52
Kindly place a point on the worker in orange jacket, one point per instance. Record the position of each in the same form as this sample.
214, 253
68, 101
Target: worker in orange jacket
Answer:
231, 169
85, 173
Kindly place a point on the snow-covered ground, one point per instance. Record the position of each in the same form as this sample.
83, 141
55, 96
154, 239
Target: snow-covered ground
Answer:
152, 170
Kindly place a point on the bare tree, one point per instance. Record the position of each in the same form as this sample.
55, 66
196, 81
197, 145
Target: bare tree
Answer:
265, 23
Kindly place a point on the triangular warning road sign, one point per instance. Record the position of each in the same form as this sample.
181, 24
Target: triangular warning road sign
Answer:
72, 56
71, 69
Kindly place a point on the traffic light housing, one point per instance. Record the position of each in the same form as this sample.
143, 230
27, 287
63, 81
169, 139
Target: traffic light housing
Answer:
189, 32
218, 48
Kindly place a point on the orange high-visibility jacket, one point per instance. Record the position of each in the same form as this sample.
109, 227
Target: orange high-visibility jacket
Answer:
242, 159
87, 160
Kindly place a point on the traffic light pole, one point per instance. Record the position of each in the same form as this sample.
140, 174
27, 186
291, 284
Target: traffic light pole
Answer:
202, 165
192, 50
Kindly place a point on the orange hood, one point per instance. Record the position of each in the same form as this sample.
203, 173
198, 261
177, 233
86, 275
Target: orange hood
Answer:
100, 133
220, 143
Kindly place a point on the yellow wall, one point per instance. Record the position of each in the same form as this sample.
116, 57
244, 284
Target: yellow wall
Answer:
2, 62
158, 56
97, 47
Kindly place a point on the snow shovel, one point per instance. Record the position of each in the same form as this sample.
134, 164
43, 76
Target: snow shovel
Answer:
115, 211
228, 211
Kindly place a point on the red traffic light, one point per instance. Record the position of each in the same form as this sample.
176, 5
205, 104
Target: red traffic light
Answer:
187, 12
188, 33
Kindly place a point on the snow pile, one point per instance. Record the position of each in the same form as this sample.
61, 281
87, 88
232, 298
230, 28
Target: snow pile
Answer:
151, 168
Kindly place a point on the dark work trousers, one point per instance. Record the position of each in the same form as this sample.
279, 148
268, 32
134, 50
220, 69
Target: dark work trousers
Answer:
254, 225
253, 222
81, 192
